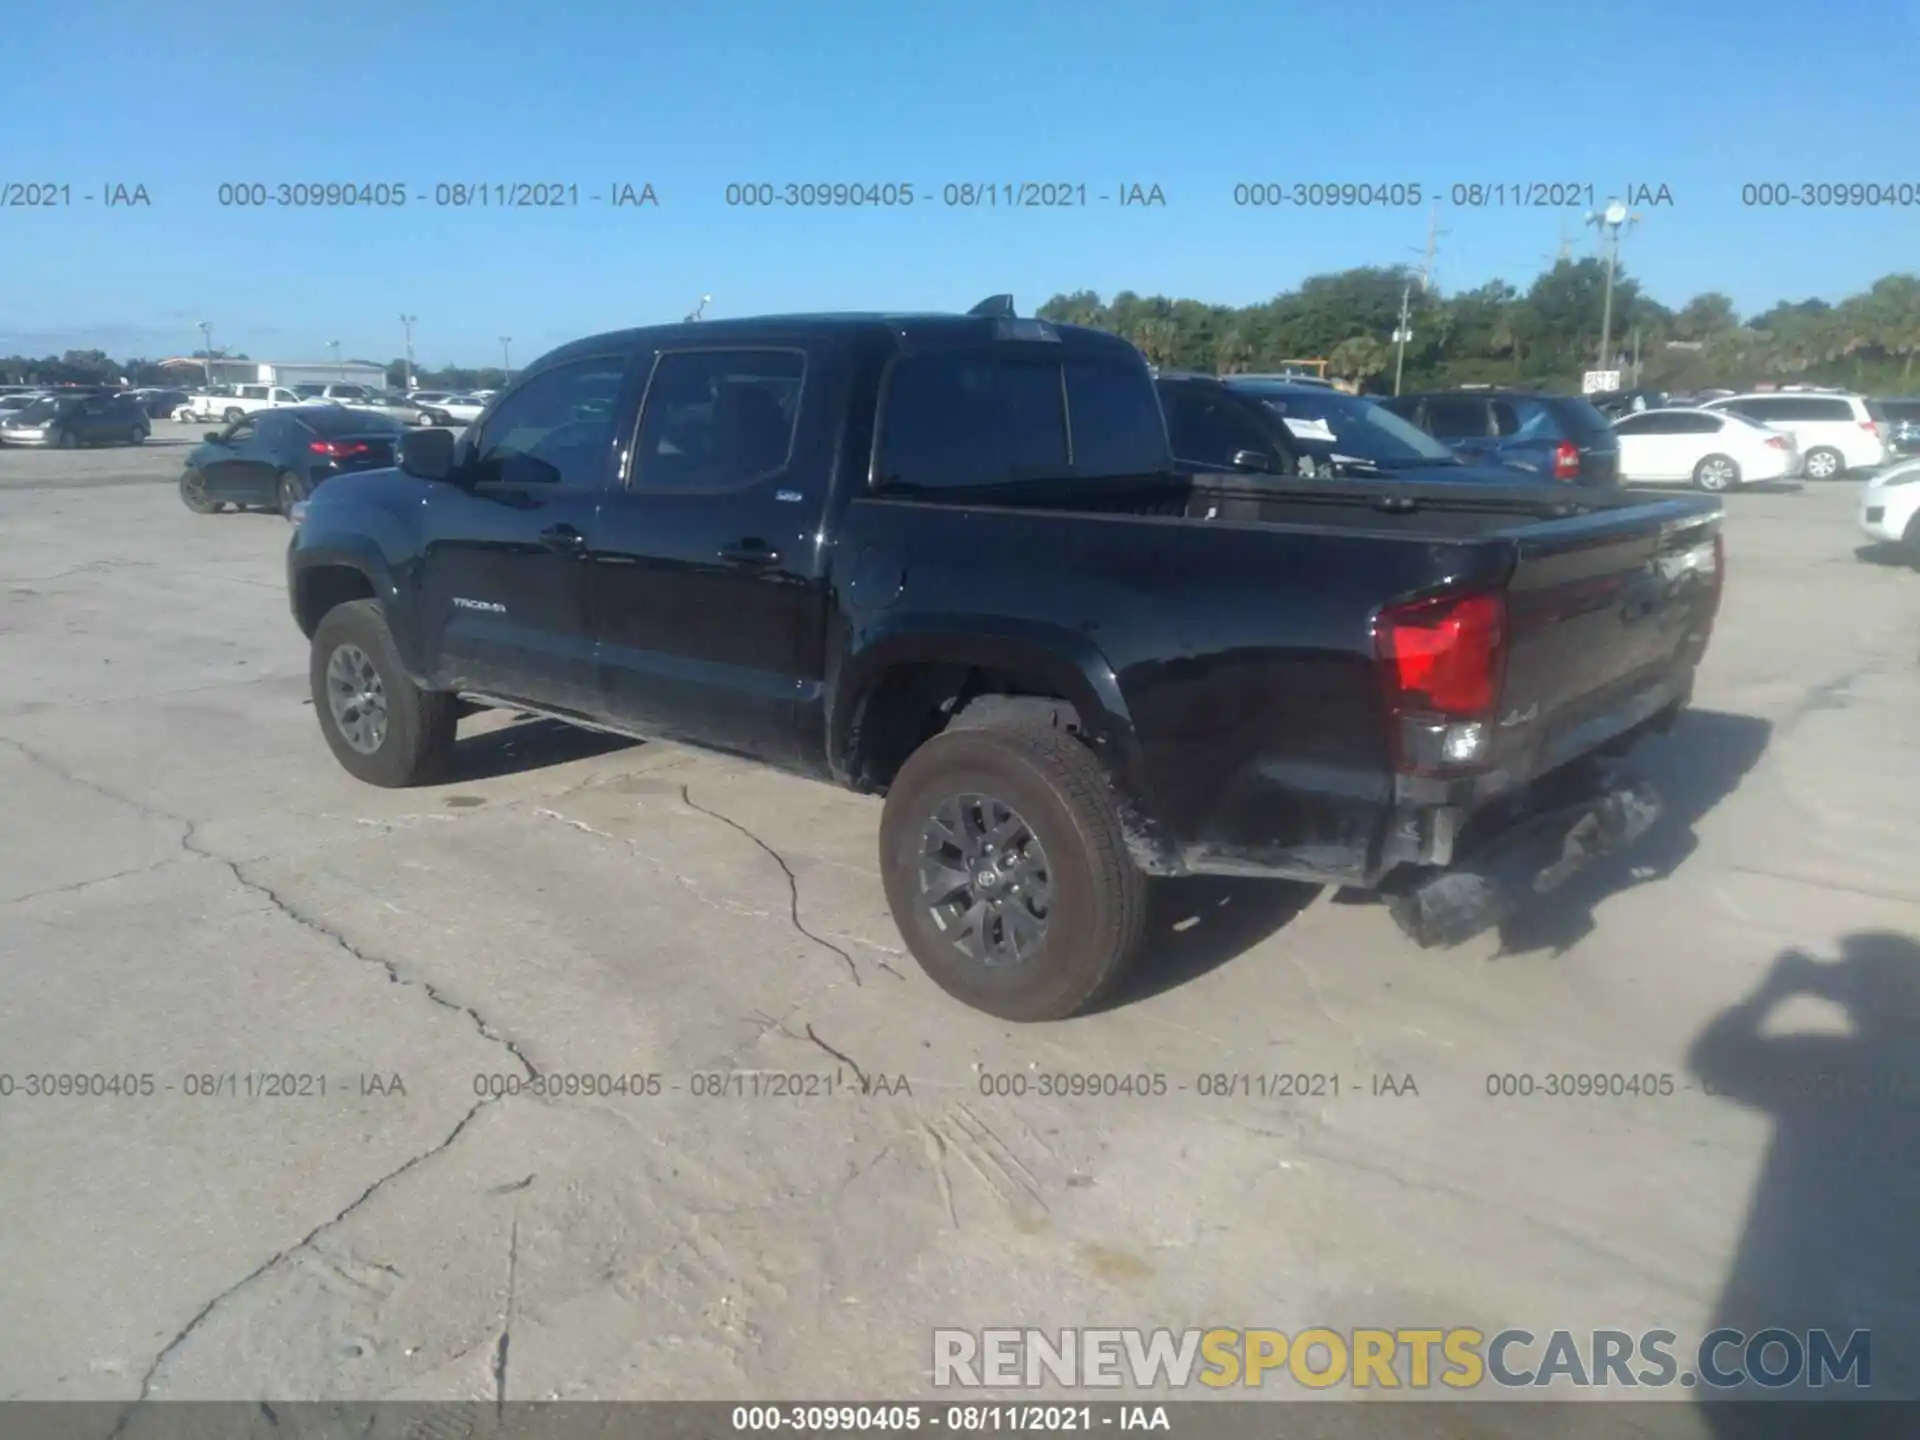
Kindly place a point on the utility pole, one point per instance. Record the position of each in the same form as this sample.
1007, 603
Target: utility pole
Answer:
506, 357
1402, 335
206, 350
1434, 232
409, 380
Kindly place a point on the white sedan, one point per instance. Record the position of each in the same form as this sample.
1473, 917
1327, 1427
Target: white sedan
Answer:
1713, 449
1890, 508
455, 410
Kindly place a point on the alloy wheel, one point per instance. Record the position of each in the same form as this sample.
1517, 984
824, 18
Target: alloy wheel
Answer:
984, 879
357, 699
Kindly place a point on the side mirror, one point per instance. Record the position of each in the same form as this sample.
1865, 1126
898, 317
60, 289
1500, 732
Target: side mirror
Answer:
1250, 460
427, 454
214, 437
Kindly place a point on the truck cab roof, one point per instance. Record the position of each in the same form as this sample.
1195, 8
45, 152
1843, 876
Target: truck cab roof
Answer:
908, 329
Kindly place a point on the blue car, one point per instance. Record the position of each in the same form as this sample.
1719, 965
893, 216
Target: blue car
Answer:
1278, 426
1557, 437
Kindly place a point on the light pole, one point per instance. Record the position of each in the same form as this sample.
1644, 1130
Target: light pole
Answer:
701, 309
338, 373
406, 323
1609, 220
206, 350
506, 358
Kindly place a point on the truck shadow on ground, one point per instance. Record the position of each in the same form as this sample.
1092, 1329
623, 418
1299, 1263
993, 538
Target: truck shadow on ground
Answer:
1830, 1241
1880, 552
1694, 767
530, 743
1198, 923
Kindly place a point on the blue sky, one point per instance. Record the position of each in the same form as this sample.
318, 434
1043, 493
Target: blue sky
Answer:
1188, 95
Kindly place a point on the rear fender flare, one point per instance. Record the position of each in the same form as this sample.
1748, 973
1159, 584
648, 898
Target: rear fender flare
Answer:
1066, 661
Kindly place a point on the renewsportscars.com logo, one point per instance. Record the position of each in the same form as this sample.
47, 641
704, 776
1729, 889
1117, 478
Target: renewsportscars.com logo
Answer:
1459, 1358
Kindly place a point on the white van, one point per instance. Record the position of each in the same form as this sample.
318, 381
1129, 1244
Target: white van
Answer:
1835, 431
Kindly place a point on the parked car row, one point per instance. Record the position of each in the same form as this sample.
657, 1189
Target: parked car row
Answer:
63, 422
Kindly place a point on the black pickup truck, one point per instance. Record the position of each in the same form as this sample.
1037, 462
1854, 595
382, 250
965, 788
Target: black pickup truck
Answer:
950, 559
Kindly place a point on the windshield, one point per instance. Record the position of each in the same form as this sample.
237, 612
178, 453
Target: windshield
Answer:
1327, 422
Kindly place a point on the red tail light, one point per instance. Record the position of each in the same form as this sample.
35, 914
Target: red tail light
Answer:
1872, 427
335, 450
1566, 461
1442, 665
1777, 442
1444, 657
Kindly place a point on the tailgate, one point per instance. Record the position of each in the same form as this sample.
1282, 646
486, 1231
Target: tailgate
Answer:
1607, 616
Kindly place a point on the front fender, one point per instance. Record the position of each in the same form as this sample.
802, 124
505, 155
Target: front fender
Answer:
316, 557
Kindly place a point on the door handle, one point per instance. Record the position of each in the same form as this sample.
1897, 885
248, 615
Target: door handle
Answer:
563, 540
751, 553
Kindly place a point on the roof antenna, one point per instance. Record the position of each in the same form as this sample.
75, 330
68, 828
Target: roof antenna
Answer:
994, 307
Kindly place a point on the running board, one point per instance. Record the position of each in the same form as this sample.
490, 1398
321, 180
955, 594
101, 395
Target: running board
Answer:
565, 717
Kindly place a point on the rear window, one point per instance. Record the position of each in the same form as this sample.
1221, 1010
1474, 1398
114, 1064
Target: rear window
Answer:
334, 420
973, 417
1807, 408
1877, 412
1579, 417
1115, 419
1897, 409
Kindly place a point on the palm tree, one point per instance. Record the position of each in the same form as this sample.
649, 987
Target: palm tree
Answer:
1358, 359
1232, 353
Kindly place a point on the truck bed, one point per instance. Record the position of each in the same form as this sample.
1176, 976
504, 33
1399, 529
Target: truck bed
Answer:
1236, 624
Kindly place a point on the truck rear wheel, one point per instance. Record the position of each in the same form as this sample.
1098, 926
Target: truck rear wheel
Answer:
381, 727
1006, 868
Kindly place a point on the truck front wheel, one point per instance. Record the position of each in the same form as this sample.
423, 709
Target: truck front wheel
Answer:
1006, 867
381, 727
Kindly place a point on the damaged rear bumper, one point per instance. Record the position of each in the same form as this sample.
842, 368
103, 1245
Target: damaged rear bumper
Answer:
1503, 868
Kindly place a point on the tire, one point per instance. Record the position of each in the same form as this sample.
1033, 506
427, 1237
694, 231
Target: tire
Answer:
136, 436
193, 494
289, 491
234, 416
412, 740
1058, 796
66, 440
1716, 474
1823, 462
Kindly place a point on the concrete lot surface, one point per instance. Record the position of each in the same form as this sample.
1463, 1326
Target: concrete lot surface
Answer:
192, 890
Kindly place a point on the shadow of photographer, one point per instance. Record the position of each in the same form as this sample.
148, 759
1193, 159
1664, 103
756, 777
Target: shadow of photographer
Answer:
1832, 1234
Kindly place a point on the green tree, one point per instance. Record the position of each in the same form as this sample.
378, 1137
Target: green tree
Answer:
1705, 316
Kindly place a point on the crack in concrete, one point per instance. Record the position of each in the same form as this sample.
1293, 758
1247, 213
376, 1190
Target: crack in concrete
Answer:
96, 880
393, 973
840, 1055
506, 1324
793, 888
189, 843
199, 1319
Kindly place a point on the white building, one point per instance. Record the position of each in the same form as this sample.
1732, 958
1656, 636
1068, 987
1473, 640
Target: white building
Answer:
277, 372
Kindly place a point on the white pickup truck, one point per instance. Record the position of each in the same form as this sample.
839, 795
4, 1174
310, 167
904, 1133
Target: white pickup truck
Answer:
230, 402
